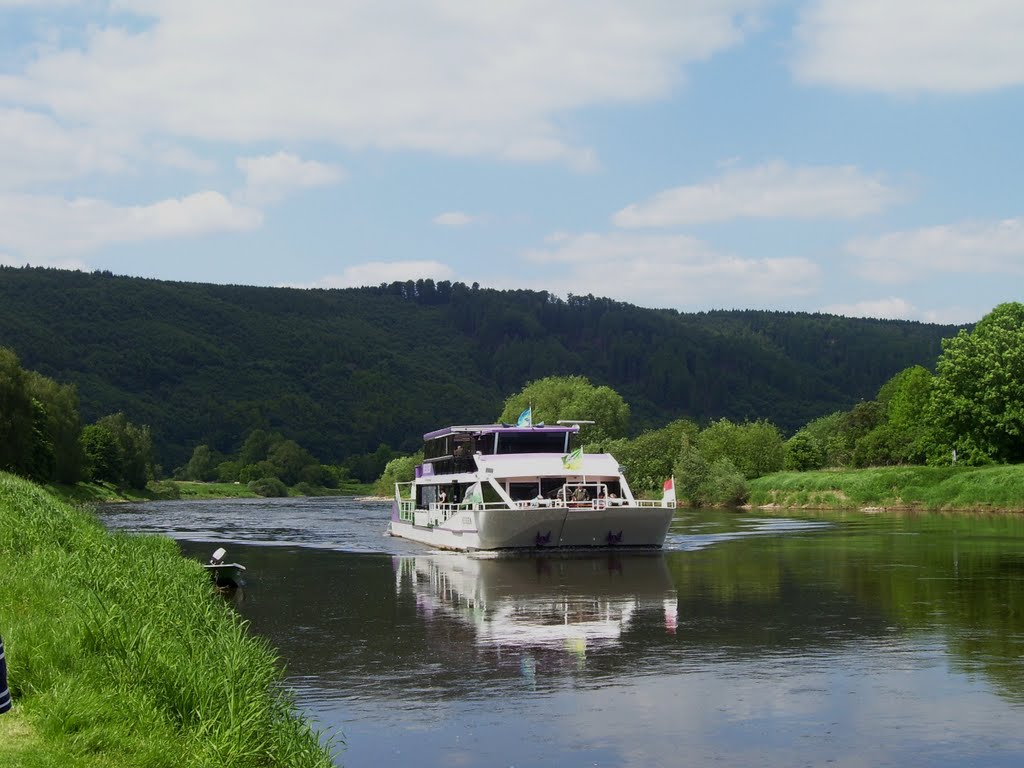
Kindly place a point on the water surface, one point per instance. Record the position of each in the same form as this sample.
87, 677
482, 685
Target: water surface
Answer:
834, 639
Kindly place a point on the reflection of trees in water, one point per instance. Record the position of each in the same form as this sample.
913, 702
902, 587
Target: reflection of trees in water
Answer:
960, 575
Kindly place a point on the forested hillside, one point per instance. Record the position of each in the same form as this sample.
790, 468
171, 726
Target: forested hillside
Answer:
342, 371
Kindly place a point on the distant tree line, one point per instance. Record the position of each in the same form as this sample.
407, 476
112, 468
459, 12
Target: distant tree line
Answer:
342, 372
268, 463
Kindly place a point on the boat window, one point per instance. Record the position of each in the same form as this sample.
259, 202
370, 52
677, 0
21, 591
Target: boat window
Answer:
439, 446
484, 444
522, 491
463, 456
550, 486
532, 442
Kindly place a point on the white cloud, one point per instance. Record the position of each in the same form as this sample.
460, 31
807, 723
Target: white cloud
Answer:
671, 271
770, 190
895, 308
35, 3
377, 272
74, 265
460, 77
890, 308
41, 227
912, 45
173, 156
270, 178
967, 248
454, 219
35, 149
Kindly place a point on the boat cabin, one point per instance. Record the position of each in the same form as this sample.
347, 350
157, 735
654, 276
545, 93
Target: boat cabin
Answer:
531, 467
451, 450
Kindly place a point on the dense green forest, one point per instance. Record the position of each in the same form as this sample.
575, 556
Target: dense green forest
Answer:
343, 371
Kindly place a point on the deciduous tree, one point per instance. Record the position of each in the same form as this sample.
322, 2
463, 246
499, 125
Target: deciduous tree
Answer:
16, 415
572, 397
978, 398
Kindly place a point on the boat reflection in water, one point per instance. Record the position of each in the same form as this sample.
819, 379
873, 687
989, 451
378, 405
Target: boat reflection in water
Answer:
541, 608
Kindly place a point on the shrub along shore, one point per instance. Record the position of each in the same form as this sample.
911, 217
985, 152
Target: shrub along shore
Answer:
121, 653
995, 488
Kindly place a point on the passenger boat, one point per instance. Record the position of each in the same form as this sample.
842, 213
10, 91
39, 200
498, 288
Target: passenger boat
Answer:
499, 486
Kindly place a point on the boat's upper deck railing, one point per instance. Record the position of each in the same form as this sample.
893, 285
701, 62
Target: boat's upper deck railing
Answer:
454, 443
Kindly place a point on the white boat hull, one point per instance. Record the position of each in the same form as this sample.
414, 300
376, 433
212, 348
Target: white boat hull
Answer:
543, 528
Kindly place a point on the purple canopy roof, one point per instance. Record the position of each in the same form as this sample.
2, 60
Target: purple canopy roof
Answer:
487, 429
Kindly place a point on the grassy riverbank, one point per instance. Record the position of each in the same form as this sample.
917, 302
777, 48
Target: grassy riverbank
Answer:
120, 653
993, 488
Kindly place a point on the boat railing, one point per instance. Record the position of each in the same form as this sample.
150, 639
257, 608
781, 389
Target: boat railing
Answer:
656, 503
595, 497
406, 506
600, 503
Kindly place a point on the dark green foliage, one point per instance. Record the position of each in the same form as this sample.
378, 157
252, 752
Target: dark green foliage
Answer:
16, 416
342, 371
726, 484
118, 451
59, 427
400, 470
831, 439
706, 483
269, 486
202, 466
102, 454
903, 430
368, 467
261, 458
692, 473
557, 398
256, 447
978, 396
291, 459
753, 448
39, 424
42, 461
649, 459
228, 471
803, 453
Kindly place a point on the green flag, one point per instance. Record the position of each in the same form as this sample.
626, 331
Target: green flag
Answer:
573, 460
475, 495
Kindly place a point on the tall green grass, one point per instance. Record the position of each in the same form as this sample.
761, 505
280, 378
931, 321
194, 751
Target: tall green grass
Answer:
937, 488
121, 654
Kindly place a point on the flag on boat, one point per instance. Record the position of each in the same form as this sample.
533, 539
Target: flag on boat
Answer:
573, 460
474, 494
526, 418
669, 488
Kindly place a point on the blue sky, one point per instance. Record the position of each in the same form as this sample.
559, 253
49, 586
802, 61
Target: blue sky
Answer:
862, 158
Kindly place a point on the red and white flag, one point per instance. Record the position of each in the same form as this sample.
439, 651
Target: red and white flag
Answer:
669, 489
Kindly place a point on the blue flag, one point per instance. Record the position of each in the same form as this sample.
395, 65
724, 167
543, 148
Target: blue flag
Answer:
526, 418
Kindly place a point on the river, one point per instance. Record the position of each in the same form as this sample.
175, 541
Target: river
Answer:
840, 639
